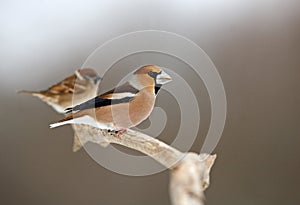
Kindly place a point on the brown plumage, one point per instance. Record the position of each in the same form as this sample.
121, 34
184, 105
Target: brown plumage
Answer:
60, 95
122, 107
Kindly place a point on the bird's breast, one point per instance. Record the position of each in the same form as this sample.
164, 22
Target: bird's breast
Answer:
126, 115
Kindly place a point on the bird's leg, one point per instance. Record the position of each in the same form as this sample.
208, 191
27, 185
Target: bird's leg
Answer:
120, 132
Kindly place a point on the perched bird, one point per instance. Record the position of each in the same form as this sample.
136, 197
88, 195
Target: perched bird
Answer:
83, 83
122, 107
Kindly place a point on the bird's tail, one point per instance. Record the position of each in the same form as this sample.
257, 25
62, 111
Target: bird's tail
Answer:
65, 121
34, 93
75, 119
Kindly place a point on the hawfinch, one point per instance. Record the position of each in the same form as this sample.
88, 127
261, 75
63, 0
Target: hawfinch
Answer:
122, 107
60, 95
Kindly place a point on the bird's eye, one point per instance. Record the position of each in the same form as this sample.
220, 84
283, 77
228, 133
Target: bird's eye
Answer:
153, 74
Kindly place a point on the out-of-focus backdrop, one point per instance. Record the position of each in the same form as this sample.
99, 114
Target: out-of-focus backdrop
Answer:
254, 44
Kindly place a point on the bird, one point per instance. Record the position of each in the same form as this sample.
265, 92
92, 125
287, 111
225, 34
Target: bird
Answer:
82, 83
122, 107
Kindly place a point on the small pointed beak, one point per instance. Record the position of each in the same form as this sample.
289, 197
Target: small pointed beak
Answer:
163, 78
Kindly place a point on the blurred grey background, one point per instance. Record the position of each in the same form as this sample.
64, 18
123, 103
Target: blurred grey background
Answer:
254, 44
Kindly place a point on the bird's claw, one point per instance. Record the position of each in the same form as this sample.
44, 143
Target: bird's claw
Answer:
120, 132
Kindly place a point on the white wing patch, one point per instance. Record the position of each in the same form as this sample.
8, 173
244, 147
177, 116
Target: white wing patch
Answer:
121, 95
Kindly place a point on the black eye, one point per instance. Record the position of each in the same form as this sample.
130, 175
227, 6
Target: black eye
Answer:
153, 74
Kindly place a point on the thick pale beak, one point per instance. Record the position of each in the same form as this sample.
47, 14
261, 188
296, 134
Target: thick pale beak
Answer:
163, 78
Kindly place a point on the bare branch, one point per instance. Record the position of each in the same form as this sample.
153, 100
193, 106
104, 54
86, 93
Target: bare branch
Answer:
150, 146
190, 178
189, 171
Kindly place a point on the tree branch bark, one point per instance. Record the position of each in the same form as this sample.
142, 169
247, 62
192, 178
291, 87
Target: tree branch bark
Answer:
189, 172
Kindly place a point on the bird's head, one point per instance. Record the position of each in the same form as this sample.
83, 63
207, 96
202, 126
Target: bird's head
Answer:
150, 75
88, 74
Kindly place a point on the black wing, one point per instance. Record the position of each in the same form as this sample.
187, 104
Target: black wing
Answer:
104, 99
98, 102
